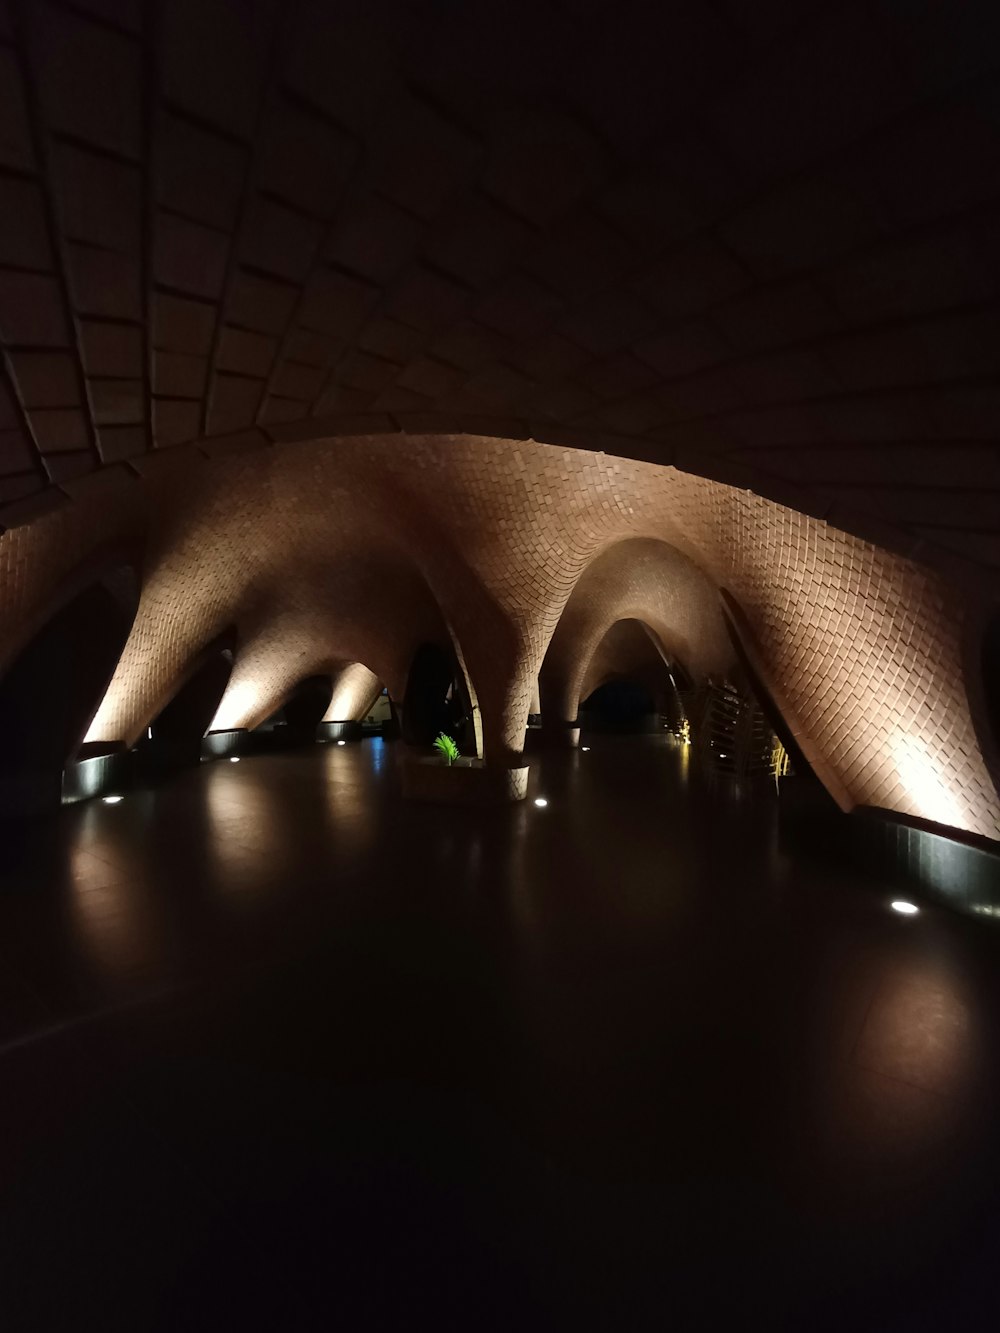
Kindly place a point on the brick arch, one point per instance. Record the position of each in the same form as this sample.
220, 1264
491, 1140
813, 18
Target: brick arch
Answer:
638, 579
864, 645
630, 649
355, 689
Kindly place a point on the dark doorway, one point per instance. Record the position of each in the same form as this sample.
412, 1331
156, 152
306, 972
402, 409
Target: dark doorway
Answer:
52, 690
295, 722
619, 705
436, 699
173, 740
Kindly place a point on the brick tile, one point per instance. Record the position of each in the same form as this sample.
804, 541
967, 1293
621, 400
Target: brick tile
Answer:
117, 402
580, 256
692, 280
609, 322
304, 160
111, 349
236, 394
117, 443
279, 410
180, 325
15, 135
684, 349
334, 303
518, 307
31, 310
246, 353
24, 240
199, 39
59, 431
540, 166
175, 422
372, 237
189, 256
46, 379
89, 78
358, 370
198, 173
179, 375
311, 349
100, 199
279, 241
432, 378
477, 241
258, 303
16, 452
298, 382
419, 159
789, 313
104, 283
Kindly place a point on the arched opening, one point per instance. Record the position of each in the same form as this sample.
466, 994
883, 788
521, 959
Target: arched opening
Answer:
622, 704
53, 688
628, 685
295, 722
173, 738
436, 699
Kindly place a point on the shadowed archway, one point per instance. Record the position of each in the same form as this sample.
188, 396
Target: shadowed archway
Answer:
53, 688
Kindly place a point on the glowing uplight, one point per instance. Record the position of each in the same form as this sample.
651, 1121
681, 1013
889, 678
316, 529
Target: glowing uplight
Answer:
919, 774
903, 907
541, 802
111, 800
239, 703
234, 759
585, 749
341, 742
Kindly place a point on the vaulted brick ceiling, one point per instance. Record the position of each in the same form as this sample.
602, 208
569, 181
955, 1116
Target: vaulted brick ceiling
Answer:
758, 240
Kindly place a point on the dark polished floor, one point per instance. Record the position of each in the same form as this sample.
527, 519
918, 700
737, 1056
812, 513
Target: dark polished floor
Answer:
280, 1050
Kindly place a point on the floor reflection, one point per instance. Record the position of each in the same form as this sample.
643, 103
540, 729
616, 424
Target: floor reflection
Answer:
630, 1008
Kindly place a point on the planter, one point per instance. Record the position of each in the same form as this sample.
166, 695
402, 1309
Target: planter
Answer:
466, 782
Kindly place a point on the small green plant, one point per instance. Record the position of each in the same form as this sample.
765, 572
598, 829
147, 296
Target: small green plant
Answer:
446, 746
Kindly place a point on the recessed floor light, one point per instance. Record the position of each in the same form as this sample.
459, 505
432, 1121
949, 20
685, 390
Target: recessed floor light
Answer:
585, 749
341, 742
541, 802
111, 800
234, 759
904, 908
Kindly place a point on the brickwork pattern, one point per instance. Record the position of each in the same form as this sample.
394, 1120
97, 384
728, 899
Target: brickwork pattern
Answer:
309, 582
628, 650
755, 242
356, 549
354, 693
637, 580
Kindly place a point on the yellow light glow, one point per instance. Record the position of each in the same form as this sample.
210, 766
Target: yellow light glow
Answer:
238, 704
919, 774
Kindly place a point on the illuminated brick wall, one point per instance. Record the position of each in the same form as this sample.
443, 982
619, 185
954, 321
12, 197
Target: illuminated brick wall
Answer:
357, 549
635, 580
